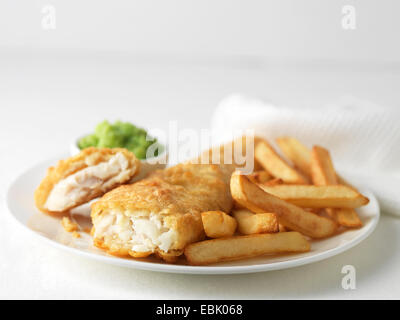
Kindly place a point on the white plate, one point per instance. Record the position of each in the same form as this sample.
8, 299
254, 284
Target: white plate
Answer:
21, 206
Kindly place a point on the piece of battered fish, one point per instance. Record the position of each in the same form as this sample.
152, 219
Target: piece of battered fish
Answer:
88, 175
162, 213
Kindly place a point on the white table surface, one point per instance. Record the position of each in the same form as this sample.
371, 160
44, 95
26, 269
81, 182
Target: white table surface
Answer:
46, 100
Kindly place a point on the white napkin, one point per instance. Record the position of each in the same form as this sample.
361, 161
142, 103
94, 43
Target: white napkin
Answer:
363, 138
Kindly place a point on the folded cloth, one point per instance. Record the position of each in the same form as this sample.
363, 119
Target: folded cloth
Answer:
363, 138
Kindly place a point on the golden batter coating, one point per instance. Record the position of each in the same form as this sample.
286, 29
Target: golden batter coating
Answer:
184, 188
69, 225
162, 213
91, 173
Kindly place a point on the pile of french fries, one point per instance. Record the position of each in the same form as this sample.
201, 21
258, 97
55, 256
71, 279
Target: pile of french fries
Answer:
280, 208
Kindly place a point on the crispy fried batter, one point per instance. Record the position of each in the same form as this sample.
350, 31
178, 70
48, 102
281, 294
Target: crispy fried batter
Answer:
176, 195
69, 225
76, 234
185, 188
86, 158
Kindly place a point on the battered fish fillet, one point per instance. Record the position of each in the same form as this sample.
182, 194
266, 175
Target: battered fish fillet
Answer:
88, 175
162, 213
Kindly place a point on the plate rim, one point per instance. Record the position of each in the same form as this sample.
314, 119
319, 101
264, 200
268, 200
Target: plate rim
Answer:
187, 269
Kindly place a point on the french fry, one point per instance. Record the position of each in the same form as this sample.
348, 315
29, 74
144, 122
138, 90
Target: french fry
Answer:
275, 165
257, 200
296, 152
308, 196
242, 247
218, 224
300, 156
282, 228
252, 223
273, 182
314, 210
260, 176
348, 218
323, 173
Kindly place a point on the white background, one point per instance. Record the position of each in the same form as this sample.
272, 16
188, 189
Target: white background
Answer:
281, 29
153, 61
